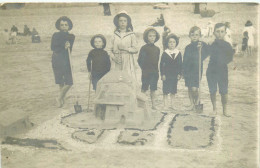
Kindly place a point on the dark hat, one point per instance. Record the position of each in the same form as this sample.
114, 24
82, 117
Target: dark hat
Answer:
248, 23
100, 36
129, 22
64, 18
175, 37
145, 36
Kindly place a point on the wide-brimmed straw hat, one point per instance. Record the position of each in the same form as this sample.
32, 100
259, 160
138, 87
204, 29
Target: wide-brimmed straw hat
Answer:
123, 14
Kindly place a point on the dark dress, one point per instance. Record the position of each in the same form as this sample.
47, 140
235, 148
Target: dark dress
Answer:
244, 44
191, 63
221, 53
148, 61
170, 66
98, 63
60, 57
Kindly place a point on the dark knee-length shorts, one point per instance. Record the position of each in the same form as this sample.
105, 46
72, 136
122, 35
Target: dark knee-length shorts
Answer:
62, 71
217, 78
150, 79
95, 78
170, 85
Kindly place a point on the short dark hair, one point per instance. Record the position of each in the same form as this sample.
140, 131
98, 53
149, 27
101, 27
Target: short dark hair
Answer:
98, 36
193, 29
176, 38
64, 18
218, 25
146, 32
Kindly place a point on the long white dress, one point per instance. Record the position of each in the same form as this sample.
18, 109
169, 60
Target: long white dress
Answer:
251, 32
120, 42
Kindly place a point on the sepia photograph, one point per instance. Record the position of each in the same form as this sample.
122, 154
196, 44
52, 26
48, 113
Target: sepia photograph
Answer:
129, 85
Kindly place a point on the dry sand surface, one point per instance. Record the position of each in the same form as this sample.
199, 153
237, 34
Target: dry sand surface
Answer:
27, 83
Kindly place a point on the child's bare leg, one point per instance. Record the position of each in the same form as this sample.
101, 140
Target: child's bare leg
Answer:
64, 91
165, 96
190, 97
249, 51
59, 98
213, 101
152, 94
195, 95
172, 98
224, 99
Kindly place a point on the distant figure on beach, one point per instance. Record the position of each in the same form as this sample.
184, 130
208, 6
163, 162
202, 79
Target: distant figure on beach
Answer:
228, 34
98, 61
166, 32
148, 61
245, 43
210, 28
124, 44
251, 31
35, 36
13, 34
221, 54
61, 45
26, 31
106, 7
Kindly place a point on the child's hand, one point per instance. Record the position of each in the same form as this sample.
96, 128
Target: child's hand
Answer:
67, 45
163, 78
179, 77
199, 44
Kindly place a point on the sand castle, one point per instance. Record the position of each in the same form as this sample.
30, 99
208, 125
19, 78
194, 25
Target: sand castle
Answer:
118, 99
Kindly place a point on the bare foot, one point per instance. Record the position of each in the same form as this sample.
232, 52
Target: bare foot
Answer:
226, 115
215, 111
59, 102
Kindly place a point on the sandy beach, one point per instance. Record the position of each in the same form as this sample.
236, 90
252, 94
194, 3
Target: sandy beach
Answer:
28, 86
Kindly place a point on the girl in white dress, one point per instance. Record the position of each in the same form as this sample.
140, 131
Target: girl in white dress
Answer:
124, 44
251, 31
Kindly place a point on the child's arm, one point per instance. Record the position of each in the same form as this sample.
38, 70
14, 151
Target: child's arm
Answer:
108, 62
71, 39
185, 62
162, 67
228, 54
133, 48
88, 62
141, 57
179, 64
57, 44
204, 51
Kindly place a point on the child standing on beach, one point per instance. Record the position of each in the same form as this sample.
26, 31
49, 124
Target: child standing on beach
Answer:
251, 31
61, 45
98, 61
221, 54
148, 61
124, 44
245, 43
191, 64
170, 68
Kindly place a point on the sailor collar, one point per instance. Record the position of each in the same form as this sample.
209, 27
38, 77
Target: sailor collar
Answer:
170, 52
124, 35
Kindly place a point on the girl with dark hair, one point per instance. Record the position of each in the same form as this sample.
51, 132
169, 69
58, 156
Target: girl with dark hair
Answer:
124, 44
